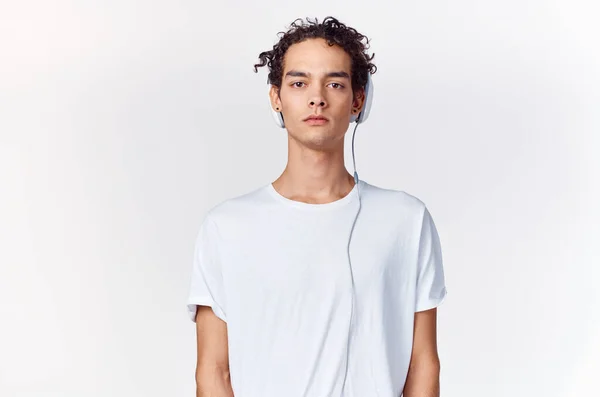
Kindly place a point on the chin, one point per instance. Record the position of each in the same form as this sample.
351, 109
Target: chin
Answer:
319, 138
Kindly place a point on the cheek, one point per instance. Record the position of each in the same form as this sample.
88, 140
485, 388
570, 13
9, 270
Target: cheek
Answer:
343, 105
294, 104
296, 100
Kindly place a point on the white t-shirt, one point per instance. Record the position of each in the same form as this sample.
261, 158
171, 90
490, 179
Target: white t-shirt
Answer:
277, 271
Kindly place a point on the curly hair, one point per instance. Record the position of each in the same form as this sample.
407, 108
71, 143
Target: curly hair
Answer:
335, 33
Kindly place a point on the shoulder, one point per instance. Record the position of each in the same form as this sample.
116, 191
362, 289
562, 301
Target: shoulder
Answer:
235, 209
389, 199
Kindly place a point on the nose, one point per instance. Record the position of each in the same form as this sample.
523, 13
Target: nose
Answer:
317, 98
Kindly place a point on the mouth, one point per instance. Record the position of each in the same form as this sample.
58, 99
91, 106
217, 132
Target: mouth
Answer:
315, 117
316, 120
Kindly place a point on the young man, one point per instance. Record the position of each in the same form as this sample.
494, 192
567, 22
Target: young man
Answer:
315, 285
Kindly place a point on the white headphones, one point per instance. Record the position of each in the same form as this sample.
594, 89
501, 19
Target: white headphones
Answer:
361, 117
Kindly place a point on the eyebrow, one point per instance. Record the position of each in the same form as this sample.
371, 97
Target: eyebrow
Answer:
297, 73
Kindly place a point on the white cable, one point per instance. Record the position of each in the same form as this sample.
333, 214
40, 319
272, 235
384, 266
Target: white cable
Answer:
356, 182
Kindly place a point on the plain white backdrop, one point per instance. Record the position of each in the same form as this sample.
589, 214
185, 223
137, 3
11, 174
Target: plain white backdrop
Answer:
123, 122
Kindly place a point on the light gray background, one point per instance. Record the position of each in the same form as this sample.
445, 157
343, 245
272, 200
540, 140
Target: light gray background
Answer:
122, 122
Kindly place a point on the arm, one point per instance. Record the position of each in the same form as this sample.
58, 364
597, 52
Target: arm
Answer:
212, 368
423, 374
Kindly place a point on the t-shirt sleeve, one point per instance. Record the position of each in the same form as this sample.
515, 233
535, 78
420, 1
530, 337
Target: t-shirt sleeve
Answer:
206, 285
431, 286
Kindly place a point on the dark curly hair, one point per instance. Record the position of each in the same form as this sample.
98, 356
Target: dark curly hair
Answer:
335, 33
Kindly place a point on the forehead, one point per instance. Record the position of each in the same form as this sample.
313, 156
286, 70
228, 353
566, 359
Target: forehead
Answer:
315, 55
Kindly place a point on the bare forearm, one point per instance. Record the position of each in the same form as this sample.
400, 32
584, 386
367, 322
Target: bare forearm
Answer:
423, 380
213, 382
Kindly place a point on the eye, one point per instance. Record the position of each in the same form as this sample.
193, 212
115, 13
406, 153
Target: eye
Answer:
337, 86
294, 84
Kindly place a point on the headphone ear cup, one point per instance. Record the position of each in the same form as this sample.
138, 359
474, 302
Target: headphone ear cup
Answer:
277, 116
364, 114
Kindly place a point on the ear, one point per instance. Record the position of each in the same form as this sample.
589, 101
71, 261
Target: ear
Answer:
274, 97
359, 100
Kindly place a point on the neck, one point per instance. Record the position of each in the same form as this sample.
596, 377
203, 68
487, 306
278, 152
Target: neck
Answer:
314, 176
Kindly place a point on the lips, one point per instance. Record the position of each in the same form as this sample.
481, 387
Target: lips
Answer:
315, 117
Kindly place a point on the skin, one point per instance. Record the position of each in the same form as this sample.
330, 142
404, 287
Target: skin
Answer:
423, 379
315, 171
316, 80
212, 367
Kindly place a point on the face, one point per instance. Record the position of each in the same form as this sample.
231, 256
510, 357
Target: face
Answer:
316, 81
